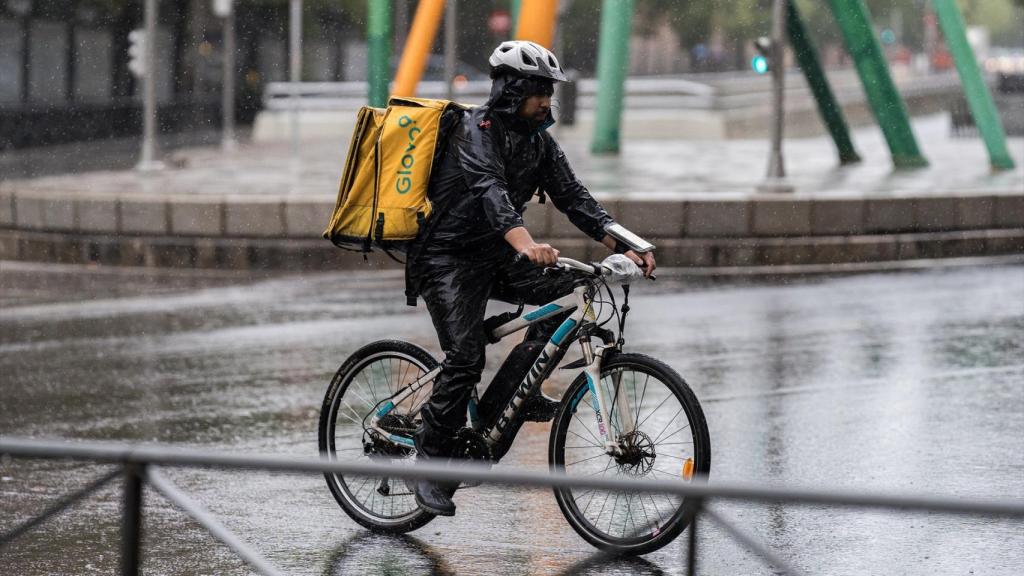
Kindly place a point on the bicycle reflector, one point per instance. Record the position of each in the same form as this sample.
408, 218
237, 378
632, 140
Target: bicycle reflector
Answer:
688, 469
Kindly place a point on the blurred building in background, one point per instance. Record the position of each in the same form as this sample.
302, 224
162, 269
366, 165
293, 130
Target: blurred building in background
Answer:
64, 63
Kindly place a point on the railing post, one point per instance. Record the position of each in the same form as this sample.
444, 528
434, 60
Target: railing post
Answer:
691, 551
131, 527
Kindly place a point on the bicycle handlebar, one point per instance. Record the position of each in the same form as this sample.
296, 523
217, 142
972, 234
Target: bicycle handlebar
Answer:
567, 263
570, 264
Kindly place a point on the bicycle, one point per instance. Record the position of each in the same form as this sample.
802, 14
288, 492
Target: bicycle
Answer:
612, 420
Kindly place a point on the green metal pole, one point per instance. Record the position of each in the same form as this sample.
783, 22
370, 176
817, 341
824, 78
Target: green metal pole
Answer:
986, 117
831, 111
378, 40
515, 17
612, 64
890, 112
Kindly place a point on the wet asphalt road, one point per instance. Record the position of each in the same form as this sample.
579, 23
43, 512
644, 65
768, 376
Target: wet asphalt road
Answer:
910, 382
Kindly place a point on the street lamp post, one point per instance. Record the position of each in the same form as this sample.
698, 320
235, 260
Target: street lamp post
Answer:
295, 75
225, 9
148, 162
775, 179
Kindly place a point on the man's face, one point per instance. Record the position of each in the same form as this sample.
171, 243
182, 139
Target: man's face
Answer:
535, 108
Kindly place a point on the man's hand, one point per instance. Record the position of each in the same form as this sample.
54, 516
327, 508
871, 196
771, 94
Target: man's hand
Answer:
645, 261
540, 254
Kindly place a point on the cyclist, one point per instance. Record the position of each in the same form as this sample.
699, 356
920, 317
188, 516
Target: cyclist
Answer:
495, 158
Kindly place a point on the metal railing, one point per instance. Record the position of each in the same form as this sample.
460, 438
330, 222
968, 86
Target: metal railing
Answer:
651, 93
643, 92
140, 465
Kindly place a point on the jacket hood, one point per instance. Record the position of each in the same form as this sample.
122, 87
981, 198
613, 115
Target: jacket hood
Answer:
507, 93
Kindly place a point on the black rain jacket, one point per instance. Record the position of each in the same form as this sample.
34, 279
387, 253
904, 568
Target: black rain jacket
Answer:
492, 163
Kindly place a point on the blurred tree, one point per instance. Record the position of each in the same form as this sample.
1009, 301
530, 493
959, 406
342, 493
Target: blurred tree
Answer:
697, 22
580, 25
1003, 18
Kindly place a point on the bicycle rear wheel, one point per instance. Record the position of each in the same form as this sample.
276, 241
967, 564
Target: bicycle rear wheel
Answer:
669, 442
369, 377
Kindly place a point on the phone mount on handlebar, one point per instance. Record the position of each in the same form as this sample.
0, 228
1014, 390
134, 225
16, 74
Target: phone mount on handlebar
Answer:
628, 239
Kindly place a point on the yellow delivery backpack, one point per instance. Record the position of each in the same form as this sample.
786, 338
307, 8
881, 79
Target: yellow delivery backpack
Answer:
382, 200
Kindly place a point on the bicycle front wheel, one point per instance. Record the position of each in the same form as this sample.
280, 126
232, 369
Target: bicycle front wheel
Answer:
668, 441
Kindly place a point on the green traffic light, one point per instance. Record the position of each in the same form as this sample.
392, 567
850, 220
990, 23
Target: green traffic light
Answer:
759, 64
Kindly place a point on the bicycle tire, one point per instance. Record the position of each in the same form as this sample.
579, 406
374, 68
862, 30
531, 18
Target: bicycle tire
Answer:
349, 373
569, 424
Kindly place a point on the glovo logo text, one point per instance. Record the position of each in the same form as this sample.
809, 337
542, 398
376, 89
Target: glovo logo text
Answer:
403, 182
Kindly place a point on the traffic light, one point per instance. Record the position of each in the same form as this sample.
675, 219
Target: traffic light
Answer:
761, 63
137, 52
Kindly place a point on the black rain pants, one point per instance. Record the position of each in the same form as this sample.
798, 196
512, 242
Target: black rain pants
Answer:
456, 289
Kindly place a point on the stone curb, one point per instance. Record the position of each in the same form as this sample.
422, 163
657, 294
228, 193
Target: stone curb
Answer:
309, 254
757, 216
723, 230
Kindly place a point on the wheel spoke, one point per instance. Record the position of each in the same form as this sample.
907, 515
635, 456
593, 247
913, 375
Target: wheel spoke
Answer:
611, 514
642, 395
355, 417
585, 459
655, 411
678, 431
585, 440
665, 427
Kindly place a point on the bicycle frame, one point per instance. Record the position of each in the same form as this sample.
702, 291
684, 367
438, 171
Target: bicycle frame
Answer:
582, 306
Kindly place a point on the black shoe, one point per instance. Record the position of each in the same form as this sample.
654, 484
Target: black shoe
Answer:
435, 497
540, 408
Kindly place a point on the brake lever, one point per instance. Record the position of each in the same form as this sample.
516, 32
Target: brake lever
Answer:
643, 266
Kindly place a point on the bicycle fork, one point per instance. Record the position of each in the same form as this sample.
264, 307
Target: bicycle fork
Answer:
606, 406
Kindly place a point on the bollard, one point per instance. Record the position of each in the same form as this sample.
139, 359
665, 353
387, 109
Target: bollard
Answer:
568, 92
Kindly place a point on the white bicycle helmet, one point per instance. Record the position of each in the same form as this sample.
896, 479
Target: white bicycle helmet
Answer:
527, 58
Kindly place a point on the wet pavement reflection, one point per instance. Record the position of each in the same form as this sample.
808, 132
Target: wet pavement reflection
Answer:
911, 382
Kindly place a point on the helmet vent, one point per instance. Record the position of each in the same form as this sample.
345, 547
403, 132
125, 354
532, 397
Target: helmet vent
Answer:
504, 49
527, 59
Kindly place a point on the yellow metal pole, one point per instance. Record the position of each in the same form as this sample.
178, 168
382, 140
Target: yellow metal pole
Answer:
536, 23
417, 46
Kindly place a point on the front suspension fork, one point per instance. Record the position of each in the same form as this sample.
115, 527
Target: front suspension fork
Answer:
607, 404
